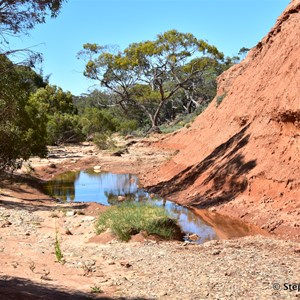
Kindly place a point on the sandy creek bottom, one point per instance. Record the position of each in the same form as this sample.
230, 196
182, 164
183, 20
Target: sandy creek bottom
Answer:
107, 188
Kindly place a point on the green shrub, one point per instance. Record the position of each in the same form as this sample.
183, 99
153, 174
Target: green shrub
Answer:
127, 219
221, 98
22, 128
96, 289
103, 141
96, 120
127, 126
183, 120
62, 128
58, 252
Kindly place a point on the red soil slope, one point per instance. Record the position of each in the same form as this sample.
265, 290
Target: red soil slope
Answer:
242, 156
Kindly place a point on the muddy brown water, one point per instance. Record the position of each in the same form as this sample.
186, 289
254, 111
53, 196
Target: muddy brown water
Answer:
108, 188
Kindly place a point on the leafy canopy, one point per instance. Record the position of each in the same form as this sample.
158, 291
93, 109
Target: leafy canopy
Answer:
22, 122
19, 16
59, 113
22, 127
147, 75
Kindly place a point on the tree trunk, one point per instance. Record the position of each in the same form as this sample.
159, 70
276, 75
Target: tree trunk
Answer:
155, 117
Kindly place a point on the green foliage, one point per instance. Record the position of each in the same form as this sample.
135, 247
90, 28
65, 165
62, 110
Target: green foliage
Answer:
60, 114
22, 127
19, 16
103, 141
243, 52
22, 121
95, 99
220, 99
64, 128
97, 120
99, 114
146, 76
52, 99
126, 126
96, 289
182, 120
58, 252
131, 218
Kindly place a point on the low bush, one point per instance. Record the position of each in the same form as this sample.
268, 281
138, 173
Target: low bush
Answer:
183, 120
103, 141
127, 126
63, 128
220, 99
58, 252
127, 219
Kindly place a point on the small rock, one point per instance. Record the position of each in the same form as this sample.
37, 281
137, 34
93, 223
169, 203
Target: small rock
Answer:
121, 198
5, 223
68, 232
45, 277
97, 168
70, 213
128, 136
88, 219
216, 252
125, 263
193, 237
89, 263
212, 209
186, 243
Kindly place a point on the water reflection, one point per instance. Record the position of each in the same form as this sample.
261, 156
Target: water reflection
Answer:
89, 186
109, 189
189, 221
62, 186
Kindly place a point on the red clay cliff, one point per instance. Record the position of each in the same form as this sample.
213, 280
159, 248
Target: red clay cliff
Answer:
241, 156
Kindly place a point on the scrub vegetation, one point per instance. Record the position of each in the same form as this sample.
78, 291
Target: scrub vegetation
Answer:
128, 219
157, 85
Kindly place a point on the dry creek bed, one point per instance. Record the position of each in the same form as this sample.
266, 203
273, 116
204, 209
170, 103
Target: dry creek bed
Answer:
245, 268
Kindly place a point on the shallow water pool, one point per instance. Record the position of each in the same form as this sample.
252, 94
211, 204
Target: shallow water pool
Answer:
108, 188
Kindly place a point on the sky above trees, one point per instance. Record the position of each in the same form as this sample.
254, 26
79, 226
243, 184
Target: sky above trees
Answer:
227, 24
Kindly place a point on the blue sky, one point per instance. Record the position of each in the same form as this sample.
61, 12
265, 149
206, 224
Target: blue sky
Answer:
227, 24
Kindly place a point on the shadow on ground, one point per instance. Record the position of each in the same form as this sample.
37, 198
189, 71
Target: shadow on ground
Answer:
37, 205
16, 288
30, 200
220, 177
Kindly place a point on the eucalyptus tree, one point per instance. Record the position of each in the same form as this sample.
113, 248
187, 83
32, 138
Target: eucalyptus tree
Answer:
147, 75
19, 16
22, 126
